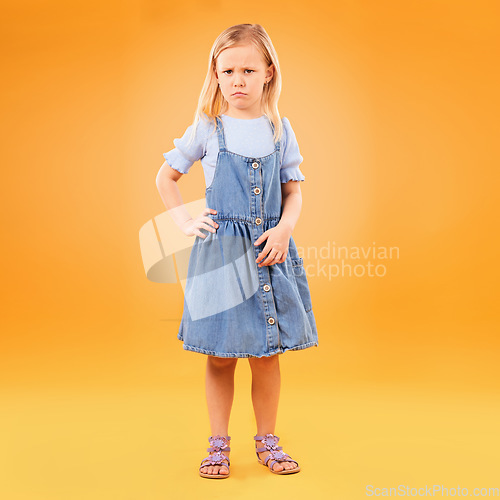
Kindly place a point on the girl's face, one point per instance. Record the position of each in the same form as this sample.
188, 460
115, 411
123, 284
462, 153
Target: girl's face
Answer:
242, 72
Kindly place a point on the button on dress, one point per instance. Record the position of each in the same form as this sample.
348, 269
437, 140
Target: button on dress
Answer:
232, 307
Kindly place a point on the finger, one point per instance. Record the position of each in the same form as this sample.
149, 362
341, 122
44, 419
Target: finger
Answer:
269, 260
272, 253
277, 258
210, 221
281, 258
265, 262
199, 233
209, 211
205, 225
263, 253
261, 238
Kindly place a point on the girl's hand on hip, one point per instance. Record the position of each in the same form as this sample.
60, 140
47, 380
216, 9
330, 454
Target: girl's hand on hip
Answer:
192, 226
276, 248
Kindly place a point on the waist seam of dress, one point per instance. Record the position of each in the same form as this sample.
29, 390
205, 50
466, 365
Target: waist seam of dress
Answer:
250, 220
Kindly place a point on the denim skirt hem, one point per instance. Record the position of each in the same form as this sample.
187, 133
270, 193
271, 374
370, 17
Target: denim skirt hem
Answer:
191, 348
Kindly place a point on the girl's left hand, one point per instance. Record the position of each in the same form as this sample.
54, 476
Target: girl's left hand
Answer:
278, 239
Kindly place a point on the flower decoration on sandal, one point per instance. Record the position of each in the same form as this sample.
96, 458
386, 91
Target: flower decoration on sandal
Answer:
218, 442
270, 441
216, 458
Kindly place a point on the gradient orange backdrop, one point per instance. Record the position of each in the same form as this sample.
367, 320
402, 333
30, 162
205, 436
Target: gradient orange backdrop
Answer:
395, 106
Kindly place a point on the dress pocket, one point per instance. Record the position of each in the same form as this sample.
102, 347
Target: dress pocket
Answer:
302, 285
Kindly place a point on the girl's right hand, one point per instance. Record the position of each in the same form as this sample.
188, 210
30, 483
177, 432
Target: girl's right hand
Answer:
192, 226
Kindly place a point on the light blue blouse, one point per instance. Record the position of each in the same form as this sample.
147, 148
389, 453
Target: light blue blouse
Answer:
252, 138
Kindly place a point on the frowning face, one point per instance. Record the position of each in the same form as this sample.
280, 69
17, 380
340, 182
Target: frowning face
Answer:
242, 72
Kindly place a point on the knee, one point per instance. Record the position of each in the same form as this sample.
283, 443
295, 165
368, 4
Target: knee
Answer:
265, 362
222, 363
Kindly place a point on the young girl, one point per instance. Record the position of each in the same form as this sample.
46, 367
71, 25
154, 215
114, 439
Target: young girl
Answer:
246, 294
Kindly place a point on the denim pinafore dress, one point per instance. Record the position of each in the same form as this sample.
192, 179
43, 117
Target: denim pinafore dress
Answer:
232, 307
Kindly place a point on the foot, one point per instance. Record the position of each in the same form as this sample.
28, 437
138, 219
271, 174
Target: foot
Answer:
217, 469
277, 466
216, 465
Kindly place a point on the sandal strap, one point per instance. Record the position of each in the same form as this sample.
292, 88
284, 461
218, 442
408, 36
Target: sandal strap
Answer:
266, 448
270, 441
216, 458
277, 457
260, 438
219, 442
225, 448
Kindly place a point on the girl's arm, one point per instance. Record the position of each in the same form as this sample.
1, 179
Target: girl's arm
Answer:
291, 203
166, 182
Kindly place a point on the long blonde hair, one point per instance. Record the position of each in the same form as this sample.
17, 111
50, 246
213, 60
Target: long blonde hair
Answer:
211, 101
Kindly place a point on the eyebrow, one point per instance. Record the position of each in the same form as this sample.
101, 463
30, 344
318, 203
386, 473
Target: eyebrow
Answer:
224, 68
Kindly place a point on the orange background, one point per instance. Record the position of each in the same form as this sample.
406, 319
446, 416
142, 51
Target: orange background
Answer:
395, 107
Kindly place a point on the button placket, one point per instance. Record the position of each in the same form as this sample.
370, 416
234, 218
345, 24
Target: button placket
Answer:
264, 273
257, 190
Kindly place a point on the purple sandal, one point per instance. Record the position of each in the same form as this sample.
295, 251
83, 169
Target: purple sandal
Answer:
270, 442
216, 457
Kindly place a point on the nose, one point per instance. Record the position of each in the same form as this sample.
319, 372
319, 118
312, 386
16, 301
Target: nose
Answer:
238, 80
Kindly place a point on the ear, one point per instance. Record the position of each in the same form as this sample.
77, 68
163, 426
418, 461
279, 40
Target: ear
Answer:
270, 70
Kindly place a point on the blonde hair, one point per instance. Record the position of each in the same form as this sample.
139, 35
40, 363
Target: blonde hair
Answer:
211, 102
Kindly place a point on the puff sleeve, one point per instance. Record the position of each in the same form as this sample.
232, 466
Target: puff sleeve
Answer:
292, 158
185, 153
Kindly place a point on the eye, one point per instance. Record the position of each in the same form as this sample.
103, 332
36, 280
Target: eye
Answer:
226, 71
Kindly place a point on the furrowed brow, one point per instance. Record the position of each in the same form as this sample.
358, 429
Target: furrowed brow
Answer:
225, 68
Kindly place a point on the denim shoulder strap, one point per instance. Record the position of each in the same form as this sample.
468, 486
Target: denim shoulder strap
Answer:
220, 134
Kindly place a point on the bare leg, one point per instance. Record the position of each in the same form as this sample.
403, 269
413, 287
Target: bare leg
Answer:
266, 384
220, 394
